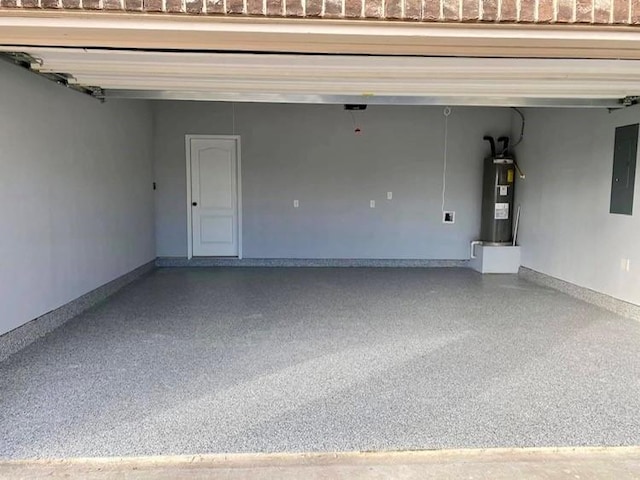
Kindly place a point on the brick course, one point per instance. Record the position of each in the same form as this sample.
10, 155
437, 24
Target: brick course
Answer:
601, 12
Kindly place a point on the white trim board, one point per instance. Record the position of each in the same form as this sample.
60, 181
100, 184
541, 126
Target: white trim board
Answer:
192, 32
187, 144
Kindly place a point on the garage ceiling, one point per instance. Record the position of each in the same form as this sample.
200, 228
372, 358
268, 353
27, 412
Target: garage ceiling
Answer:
341, 78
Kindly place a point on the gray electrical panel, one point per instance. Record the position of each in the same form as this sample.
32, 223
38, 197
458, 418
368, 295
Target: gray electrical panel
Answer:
624, 169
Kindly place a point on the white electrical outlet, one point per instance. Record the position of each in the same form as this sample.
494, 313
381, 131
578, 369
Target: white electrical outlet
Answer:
449, 217
389, 195
372, 204
296, 204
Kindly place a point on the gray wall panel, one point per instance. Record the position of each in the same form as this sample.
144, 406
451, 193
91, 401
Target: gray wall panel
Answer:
76, 204
310, 153
566, 230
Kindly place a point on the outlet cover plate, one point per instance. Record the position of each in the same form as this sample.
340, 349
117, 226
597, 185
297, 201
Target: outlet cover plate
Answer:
449, 216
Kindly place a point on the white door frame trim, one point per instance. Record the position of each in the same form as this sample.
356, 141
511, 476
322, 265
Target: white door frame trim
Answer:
187, 142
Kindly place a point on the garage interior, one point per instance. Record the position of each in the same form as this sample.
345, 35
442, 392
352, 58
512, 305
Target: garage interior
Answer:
274, 347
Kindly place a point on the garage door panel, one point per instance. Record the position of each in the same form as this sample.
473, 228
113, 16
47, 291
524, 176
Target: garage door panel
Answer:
338, 78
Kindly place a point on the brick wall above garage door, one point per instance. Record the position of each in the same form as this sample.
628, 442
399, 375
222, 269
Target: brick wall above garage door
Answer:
601, 12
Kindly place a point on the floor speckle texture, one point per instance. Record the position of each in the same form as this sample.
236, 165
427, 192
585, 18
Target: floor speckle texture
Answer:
322, 359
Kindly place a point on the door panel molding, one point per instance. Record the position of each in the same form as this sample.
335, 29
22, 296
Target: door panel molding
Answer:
188, 140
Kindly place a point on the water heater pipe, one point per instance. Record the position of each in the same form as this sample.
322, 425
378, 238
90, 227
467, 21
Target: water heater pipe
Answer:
473, 247
515, 229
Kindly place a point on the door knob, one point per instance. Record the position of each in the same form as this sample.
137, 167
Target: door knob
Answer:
195, 204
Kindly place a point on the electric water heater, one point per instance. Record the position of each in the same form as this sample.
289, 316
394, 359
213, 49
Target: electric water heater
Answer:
497, 195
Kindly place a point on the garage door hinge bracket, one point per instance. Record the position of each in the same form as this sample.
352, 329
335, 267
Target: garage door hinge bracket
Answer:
630, 100
33, 64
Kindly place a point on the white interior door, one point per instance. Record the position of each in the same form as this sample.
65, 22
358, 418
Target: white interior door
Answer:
214, 196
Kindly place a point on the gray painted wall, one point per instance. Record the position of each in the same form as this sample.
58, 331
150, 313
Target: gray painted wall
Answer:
310, 153
566, 228
76, 205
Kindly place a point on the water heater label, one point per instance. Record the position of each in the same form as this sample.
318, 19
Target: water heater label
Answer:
502, 211
504, 190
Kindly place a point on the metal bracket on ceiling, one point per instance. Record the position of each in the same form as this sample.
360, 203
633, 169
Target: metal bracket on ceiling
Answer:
23, 59
28, 62
628, 101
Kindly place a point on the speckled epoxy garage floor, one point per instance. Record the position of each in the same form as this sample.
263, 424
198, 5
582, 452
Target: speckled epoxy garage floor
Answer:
266, 359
